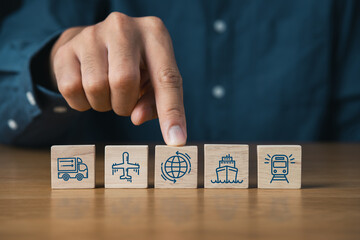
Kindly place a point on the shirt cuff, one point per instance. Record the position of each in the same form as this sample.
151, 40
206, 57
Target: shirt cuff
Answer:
31, 101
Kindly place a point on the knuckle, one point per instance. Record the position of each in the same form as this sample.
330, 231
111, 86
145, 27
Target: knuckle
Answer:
120, 25
89, 33
124, 112
70, 87
80, 108
95, 87
175, 112
123, 81
170, 78
117, 18
104, 108
156, 24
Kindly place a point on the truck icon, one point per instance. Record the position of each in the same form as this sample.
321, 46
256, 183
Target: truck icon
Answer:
71, 168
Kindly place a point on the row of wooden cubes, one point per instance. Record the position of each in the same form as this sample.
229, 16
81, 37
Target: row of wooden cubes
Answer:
226, 166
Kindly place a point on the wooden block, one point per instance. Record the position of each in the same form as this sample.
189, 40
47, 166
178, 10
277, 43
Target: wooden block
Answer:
176, 167
73, 166
226, 166
279, 166
126, 166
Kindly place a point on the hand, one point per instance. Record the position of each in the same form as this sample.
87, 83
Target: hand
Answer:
126, 65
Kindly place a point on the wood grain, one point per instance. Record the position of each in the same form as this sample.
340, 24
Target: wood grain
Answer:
72, 159
326, 207
279, 166
188, 176
214, 155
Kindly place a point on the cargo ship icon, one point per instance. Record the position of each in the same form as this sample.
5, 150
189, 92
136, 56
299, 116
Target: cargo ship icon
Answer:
227, 171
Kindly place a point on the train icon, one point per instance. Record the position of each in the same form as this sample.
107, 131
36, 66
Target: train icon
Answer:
279, 166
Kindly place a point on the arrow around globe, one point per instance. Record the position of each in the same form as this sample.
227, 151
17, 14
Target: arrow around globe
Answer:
186, 156
164, 176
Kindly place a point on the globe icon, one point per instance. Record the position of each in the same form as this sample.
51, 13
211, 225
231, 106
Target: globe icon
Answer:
176, 166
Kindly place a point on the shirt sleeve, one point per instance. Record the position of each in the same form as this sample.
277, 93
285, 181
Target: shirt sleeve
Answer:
346, 75
31, 114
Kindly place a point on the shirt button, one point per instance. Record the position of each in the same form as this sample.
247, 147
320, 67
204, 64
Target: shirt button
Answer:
60, 109
12, 124
218, 91
30, 98
219, 26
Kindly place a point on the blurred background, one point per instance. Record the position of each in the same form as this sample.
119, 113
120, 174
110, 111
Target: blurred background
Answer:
252, 71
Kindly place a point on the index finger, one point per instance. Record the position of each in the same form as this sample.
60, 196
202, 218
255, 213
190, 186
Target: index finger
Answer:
167, 84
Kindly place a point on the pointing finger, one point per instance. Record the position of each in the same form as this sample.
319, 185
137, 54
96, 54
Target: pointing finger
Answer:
167, 83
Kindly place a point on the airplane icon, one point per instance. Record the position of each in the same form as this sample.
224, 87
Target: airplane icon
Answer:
125, 166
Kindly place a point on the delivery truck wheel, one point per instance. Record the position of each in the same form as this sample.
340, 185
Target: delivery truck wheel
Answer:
79, 176
66, 177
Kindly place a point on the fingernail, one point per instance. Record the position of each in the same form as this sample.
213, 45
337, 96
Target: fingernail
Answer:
176, 136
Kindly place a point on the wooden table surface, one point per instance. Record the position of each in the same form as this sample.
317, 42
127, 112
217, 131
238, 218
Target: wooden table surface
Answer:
328, 206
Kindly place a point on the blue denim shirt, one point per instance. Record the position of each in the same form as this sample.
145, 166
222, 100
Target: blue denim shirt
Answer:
253, 71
